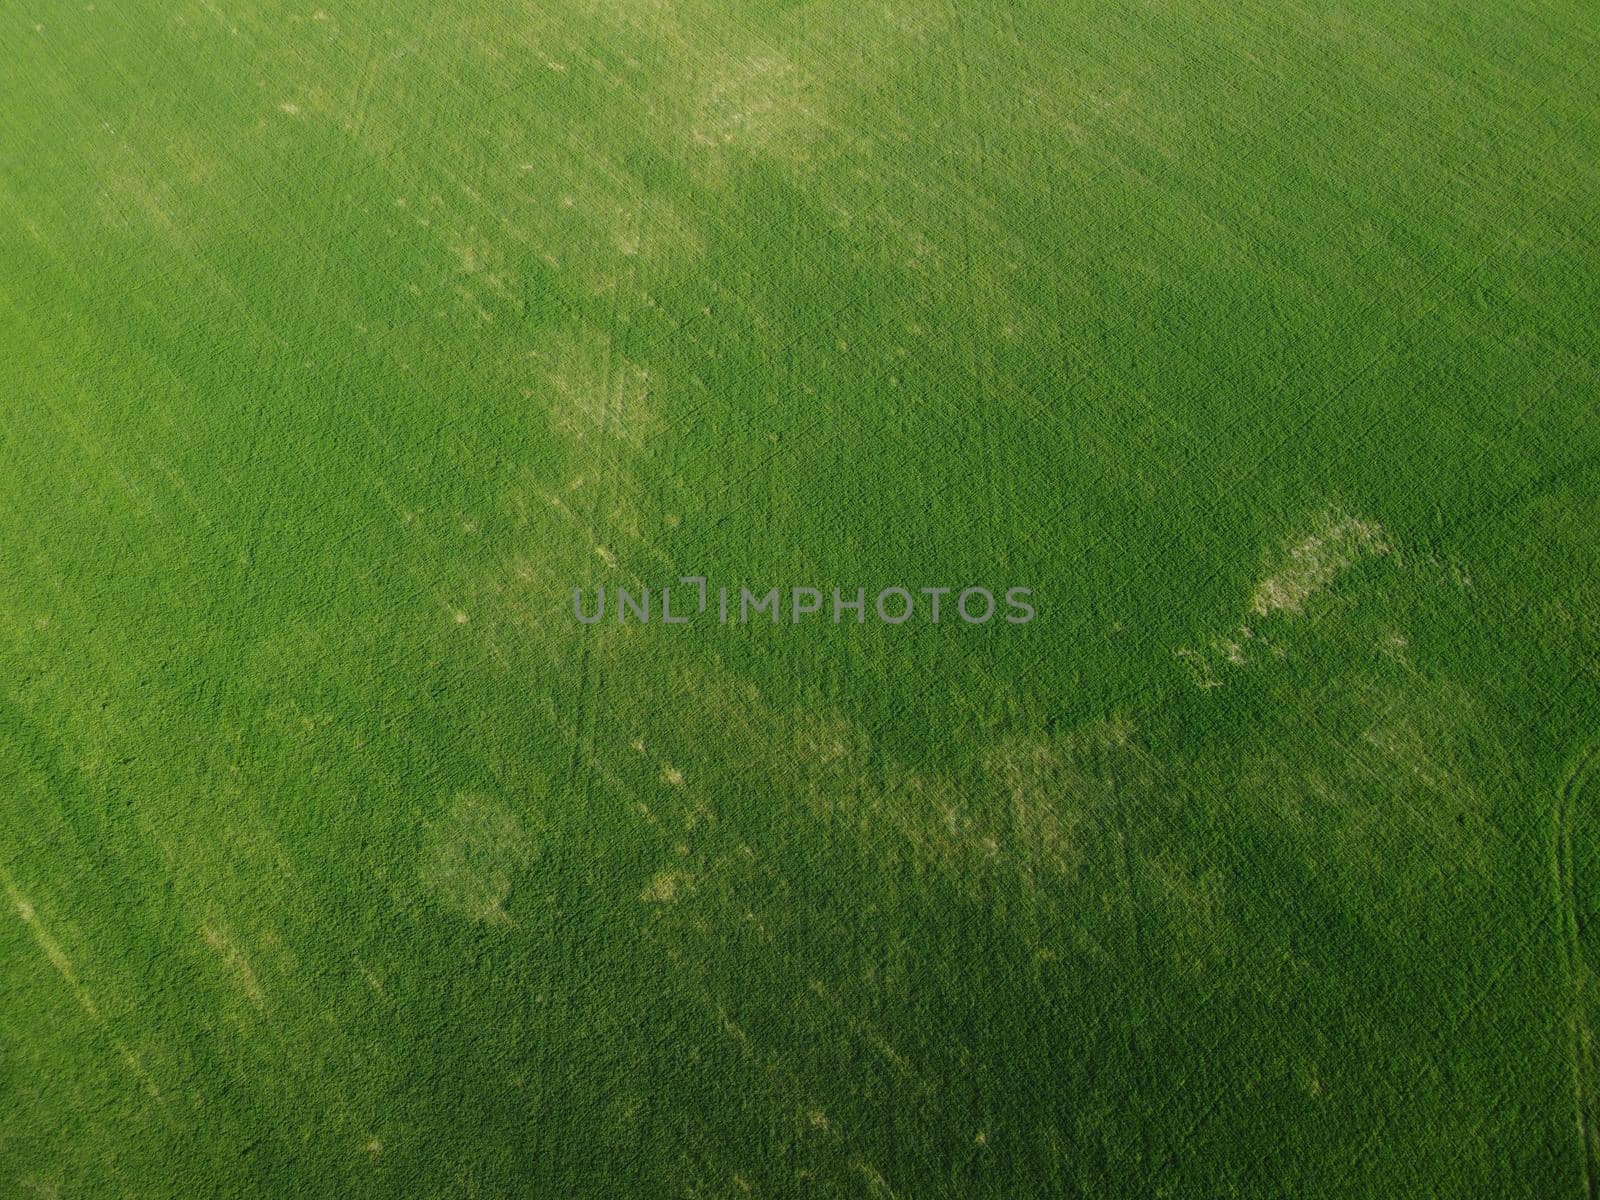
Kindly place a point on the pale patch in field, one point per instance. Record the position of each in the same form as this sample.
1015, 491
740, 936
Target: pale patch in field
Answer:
599, 224
57, 956
1042, 786
236, 962
825, 740
1031, 811
1334, 545
666, 886
484, 264
877, 1186
1204, 677
1413, 735
759, 102
59, 959
473, 855
124, 193
1308, 567
1193, 910
590, 389
508, 604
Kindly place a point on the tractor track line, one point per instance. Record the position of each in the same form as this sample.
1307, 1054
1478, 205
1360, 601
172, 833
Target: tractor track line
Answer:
1585, 1086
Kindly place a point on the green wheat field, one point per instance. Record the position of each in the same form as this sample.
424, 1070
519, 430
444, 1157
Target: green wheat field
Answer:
339, 345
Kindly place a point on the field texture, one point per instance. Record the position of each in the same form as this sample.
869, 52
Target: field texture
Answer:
338, 345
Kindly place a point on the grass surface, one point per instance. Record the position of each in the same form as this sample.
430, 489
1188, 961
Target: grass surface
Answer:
337, 347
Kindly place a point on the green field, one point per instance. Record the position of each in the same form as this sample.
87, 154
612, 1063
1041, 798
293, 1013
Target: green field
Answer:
338, 346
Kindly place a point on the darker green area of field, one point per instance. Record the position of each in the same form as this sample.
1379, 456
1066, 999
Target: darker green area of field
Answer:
337, 346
